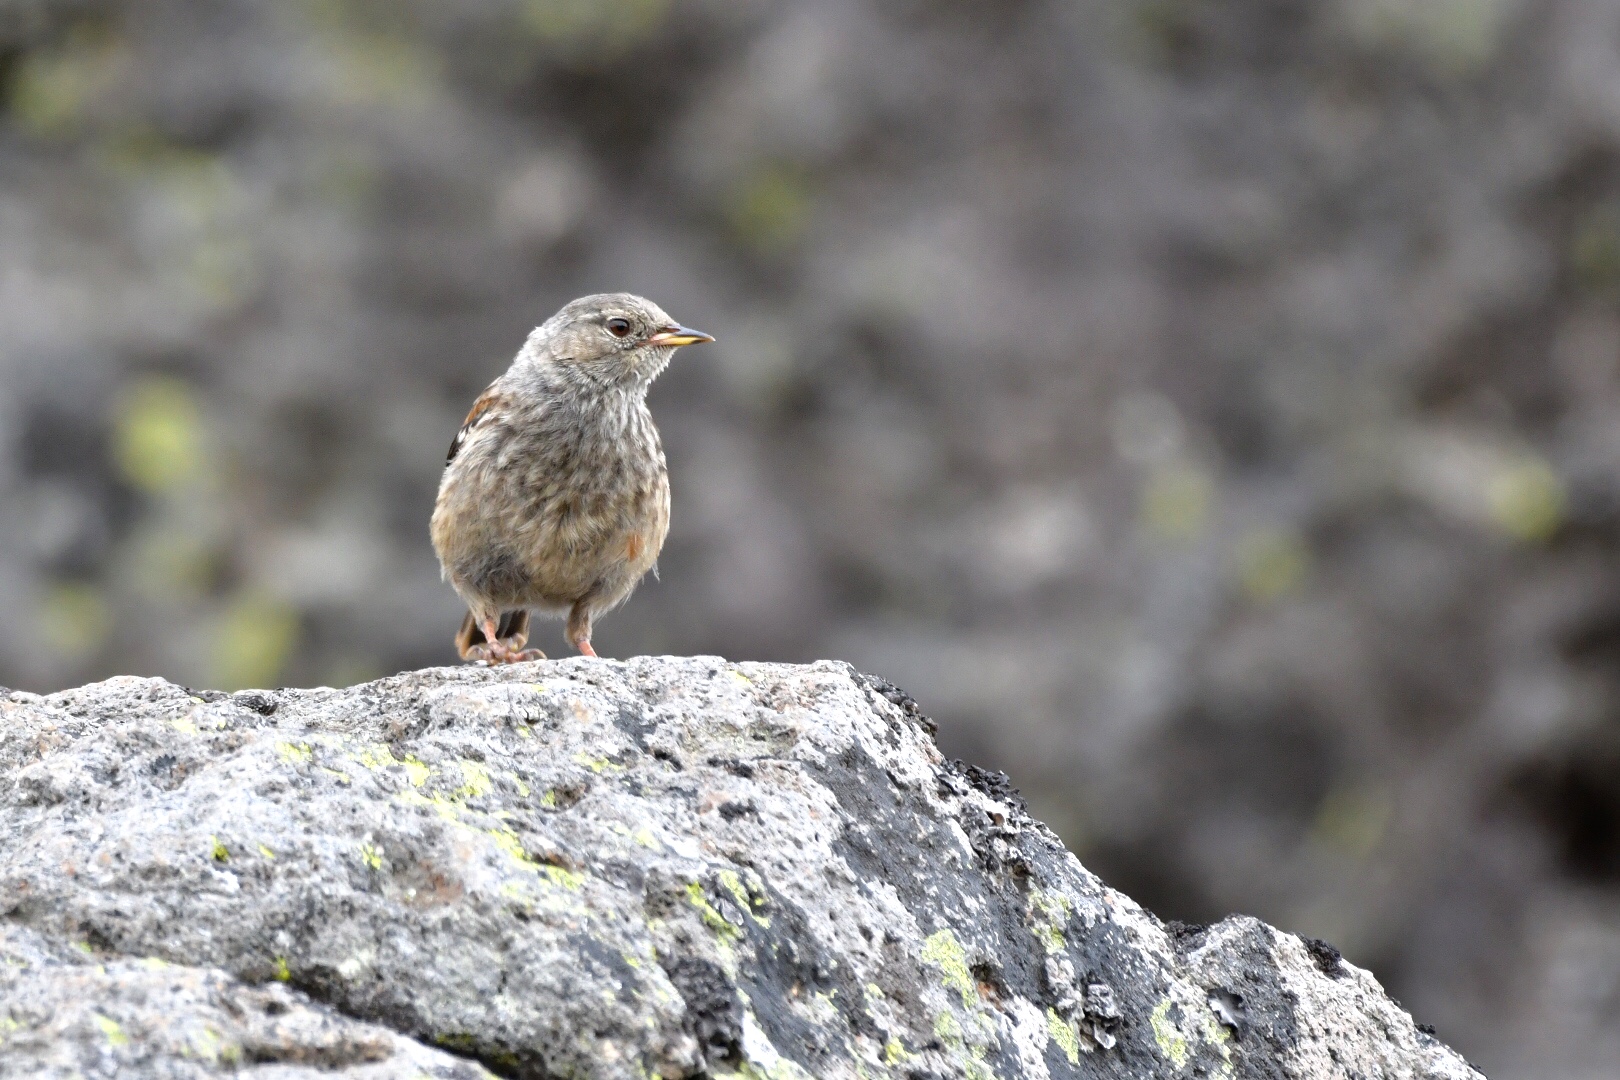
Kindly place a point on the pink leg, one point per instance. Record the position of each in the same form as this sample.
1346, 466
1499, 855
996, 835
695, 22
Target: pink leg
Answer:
578, 631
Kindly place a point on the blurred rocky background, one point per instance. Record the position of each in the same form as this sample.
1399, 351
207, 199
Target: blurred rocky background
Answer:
1210, 411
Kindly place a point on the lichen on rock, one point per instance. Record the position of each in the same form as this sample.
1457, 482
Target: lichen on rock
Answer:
656, 868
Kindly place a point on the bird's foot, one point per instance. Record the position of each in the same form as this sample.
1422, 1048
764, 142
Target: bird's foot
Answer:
502, 651
585, 648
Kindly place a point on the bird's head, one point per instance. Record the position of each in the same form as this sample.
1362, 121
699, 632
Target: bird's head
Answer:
612, 339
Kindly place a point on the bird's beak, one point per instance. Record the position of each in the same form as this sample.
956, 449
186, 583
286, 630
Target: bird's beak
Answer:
679, 335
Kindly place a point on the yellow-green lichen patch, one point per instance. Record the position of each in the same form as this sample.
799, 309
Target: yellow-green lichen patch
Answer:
711, 916
475, 781
459, 1041
380, 757
872, 1001
153, 963
85, 947
549, 800
596, 764
453, 809
183, 725
745, 900
644, 836
821, 1006
1172, 1044
944, 951
341, 777
267, 853
280, 970
1216, 1034
895, 1053
295, 753
1063, 1034
210, 1045
111, 1029
1049, 913
507, 840
219, 852
371, 855
564, 878
949, 1032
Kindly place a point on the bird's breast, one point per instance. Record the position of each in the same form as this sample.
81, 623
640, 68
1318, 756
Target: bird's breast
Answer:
547, 510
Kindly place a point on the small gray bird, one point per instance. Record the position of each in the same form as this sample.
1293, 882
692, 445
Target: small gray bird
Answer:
555, 497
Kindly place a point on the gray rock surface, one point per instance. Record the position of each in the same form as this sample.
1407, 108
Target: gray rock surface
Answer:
661, 867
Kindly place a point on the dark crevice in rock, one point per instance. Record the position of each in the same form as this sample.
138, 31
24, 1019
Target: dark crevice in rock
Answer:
714, 1014
1326, 956
891, 693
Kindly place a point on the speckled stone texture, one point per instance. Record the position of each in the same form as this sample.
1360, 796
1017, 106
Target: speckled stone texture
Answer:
662, 867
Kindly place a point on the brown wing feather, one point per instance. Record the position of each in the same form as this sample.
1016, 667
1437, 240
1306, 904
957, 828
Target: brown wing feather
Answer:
483, 408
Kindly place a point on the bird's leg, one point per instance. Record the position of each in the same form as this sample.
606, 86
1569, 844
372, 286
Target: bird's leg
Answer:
494, 649
471, 642
516, 626
578, 631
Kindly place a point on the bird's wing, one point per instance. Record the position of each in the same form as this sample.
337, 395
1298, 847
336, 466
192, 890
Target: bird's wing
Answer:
487, 406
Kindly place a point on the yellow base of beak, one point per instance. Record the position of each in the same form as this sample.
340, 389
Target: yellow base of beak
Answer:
680, 335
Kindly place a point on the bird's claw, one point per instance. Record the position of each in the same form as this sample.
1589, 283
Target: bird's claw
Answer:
502, 652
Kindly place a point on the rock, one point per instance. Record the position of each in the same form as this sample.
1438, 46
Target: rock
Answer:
662, 867
66, 1014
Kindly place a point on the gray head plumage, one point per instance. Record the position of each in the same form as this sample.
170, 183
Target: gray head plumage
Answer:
609, 339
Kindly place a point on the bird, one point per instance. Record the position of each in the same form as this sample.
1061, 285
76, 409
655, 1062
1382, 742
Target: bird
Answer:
555, 493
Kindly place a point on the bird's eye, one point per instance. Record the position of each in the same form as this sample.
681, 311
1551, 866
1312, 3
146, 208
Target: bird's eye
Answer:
618, 327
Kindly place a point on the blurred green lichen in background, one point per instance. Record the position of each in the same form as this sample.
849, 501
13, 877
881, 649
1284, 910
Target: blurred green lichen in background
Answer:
603, 28
770, 210
1457, 37
252, 639
1528, 500
1354, 817
51, 88
1272, 563
1177, 500
1595, 250
158, 438
74, 618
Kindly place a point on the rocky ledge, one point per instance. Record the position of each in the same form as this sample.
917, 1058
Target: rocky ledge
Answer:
658, 868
